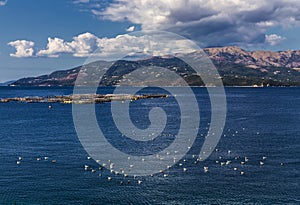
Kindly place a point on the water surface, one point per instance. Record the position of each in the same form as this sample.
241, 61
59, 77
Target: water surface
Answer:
260, 122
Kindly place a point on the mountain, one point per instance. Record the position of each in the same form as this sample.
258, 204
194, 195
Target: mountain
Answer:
57, 78
237, 67
255, 59
240, 67
7, 83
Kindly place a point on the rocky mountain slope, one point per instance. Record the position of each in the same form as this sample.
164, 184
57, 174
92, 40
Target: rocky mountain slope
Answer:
236, 66
255, 59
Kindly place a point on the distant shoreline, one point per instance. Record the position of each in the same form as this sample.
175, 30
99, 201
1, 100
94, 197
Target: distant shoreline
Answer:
225, 86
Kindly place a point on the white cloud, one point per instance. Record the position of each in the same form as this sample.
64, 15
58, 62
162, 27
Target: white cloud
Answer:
81, 46
23, 48
87, 44
81, 1
3, 3
54, 47
152, 45
274, 39
130, 29
210, 22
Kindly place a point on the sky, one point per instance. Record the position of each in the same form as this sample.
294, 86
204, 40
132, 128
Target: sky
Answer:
41, 36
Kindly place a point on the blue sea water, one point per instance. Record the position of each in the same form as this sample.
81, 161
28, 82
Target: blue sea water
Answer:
261, 122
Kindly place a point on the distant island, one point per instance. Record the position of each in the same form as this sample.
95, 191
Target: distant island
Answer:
82, 98
236, 67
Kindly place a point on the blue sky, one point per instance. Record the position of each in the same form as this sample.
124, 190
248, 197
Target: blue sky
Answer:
40, 36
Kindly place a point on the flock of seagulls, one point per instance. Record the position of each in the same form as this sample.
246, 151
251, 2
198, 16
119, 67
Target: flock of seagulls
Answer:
242, 160
222, 161
237, 163
20, 159
126, 179
110, 166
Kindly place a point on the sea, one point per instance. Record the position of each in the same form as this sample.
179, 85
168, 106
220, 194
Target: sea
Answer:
256, 161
